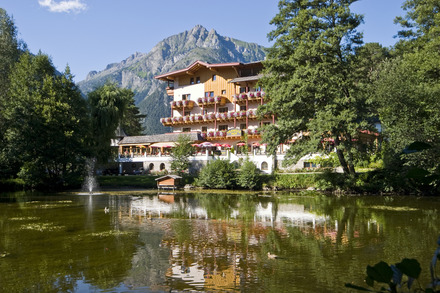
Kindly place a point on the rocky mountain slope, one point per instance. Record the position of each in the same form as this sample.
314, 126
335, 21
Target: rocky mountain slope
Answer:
176, 52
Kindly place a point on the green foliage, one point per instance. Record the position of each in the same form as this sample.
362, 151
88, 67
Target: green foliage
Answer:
46, 123
109, 106
310, 82
295, 181
330, 160
217, 174
406, 91
137, 181
180, 154
400, 274
249, 175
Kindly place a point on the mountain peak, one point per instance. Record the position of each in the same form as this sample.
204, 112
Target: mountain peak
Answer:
136, 72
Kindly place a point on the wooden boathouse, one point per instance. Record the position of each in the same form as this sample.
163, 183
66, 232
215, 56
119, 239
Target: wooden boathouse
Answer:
168, 182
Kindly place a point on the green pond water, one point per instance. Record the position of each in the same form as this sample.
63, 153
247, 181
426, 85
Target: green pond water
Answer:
149, 242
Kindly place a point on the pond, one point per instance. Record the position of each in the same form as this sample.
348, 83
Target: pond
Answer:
149, 242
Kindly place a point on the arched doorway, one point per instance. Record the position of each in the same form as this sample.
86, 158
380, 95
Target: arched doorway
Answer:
162, 166
264, 166
151, 166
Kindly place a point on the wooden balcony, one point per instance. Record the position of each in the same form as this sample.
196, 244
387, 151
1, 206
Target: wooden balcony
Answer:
250, 97
211, 101
170, 91
179, 105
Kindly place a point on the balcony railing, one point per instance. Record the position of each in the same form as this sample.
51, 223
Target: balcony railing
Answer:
177, 105
211, 101
210, 117
250, 97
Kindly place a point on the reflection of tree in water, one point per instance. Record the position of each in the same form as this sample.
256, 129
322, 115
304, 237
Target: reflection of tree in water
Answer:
54, 259
149, 262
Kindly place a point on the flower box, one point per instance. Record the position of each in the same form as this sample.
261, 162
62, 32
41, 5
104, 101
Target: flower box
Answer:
192, 118
250, 113
211, 134
200, 100
242, 114
243, 96
168, 120
203, 134
209, 116
198, 118
211, 100
251, 95
186, 119
173, 104
218, 99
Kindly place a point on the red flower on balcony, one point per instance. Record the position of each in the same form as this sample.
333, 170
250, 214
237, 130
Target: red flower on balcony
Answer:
251, 95
203, 134
243, 96
200, 100
211, 134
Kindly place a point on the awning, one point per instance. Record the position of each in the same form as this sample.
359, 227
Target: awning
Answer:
163, 145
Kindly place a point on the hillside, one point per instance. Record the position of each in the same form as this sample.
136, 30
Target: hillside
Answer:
137, 71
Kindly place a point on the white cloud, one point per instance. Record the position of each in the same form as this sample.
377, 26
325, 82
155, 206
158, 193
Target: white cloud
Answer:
63, 6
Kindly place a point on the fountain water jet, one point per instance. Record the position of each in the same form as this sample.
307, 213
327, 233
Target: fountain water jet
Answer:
90, 185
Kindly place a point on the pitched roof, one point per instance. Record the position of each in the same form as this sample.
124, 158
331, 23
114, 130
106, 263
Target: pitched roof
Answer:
197, 65
168, 176
149, 139
247, 78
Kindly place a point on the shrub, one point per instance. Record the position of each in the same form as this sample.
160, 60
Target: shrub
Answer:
217, 174
249, 175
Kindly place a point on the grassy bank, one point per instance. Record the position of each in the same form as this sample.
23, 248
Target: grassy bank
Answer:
133, 181
11, 185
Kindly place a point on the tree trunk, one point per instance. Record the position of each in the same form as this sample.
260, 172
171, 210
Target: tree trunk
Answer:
341, 157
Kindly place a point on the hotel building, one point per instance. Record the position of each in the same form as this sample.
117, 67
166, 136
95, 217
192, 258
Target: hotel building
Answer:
216, 104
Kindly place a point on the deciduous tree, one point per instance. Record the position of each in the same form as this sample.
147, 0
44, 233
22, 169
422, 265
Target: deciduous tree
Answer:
309, 80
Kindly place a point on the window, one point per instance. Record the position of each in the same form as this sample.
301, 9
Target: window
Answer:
187, 129
223, 92
309, 165
222, 127
162, 166
242, 90
186, 97
204, 129
223, 110
209, 94
242, 126
205, 111
243, 108
264, 166
214, 77
187, 113
198, 79
191, 81
151, 166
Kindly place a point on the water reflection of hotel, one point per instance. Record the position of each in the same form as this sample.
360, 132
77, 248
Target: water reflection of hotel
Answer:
268, 214
213, 257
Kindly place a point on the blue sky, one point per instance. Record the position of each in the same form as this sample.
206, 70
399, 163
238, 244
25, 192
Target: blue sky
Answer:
89, 34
